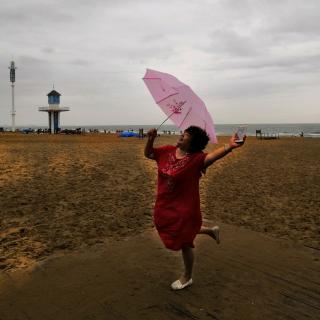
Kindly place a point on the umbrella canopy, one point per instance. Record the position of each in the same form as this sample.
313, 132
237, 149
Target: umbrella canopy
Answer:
179, 102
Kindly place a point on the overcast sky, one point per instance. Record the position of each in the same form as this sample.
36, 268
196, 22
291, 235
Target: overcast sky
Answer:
252, 61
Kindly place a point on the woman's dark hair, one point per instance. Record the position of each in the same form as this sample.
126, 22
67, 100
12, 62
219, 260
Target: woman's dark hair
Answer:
199, 138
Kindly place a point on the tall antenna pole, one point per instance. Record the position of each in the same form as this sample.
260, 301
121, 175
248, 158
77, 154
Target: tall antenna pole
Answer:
13, 80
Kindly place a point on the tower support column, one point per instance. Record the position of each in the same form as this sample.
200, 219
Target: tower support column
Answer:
49, 124
13, 112
58, 120
52, 122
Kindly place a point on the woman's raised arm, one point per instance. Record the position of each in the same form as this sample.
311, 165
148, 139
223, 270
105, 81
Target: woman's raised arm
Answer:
148, 149
223, 151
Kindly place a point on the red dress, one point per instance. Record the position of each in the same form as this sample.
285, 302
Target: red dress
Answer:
177, 215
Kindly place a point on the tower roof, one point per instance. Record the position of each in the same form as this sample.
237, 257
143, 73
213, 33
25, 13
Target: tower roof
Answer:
53, 93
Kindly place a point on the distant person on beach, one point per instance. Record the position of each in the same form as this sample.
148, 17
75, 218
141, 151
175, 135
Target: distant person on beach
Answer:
177, 215
141, 133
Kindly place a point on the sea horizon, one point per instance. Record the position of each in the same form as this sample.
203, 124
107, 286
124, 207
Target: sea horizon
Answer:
282, 129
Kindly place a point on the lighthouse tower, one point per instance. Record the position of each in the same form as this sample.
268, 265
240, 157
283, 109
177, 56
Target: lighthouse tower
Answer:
54, 110
13, 80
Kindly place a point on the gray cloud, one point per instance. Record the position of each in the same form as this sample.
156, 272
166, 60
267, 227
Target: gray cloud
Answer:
229, 42
97, 51
34, 14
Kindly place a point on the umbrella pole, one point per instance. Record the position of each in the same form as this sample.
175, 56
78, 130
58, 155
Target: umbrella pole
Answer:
165, 120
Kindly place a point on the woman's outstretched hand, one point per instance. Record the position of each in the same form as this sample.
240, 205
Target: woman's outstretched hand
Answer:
233, 144
152, 133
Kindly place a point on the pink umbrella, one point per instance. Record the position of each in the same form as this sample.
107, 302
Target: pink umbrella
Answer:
179, 102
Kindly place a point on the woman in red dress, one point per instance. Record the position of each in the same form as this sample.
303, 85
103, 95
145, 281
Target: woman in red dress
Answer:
177, 215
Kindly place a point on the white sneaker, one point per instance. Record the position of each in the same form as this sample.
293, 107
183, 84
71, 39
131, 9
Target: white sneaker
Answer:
177, 285
216, 232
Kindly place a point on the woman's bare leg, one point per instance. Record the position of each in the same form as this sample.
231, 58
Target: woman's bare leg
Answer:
186, 279
188, 256
212, 232
188, 260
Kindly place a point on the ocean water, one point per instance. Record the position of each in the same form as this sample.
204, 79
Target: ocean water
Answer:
293, 129
311, 130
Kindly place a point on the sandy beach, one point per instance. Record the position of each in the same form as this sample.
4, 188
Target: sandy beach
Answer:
62, 195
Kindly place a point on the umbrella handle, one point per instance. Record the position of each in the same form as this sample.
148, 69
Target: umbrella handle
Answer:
165, 120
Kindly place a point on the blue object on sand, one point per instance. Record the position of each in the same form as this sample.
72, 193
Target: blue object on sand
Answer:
127, 134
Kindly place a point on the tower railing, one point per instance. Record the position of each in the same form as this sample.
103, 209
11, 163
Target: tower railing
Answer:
54, 108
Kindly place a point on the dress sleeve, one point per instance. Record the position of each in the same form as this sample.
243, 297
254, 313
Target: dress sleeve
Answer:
202, 157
